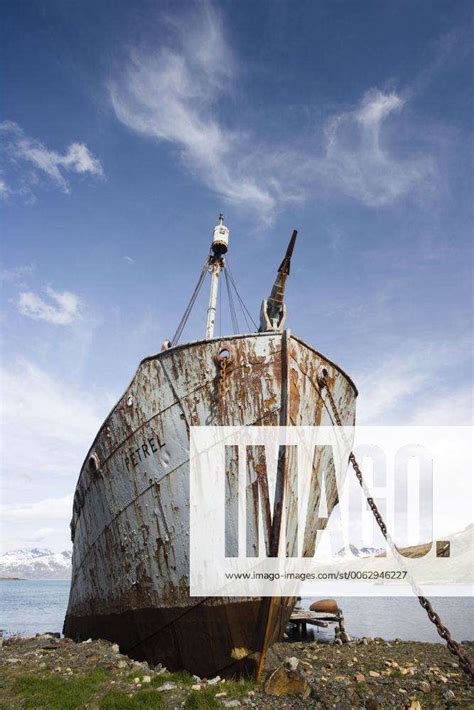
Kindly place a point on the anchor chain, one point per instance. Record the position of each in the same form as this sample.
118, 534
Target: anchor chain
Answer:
223, 377
466, 664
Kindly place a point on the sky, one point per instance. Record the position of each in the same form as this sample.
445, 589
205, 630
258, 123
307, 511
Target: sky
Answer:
127, 127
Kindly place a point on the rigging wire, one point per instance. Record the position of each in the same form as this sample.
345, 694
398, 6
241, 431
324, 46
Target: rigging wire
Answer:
249, 328
244, 308
233, 314
230, 285
189, 307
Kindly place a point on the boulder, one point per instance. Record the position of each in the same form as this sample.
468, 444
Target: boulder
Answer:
291, 662
287, 682
47, 643
214, 681
167, 686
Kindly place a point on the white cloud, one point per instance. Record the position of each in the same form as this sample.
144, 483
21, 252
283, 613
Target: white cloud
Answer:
47, 509
385, 389
4, 189
16, 274
63, 310
356, 161
22, 150
47, 425
175, 95
375, 106
412, 387
41, 534
172, 95
454, 407
79, 159
46, 428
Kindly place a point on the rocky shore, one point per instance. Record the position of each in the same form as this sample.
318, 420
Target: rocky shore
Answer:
47, 672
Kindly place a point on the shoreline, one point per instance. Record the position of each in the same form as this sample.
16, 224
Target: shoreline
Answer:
45, 671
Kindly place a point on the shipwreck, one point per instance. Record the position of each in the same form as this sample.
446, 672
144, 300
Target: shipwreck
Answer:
130, 522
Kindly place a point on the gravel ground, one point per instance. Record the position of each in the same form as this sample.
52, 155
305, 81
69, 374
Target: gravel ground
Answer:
44, 672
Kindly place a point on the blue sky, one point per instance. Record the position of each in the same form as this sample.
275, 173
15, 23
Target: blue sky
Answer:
127, 127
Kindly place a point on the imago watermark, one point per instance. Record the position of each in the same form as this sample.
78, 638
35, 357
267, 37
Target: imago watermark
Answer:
277, 511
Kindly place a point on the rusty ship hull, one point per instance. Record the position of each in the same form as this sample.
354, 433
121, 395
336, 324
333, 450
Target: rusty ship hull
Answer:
130, 525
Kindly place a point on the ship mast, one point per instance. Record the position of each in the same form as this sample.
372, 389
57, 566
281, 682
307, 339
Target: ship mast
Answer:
273, 311
219, 246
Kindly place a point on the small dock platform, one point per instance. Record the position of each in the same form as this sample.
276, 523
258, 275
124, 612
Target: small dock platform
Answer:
301, 618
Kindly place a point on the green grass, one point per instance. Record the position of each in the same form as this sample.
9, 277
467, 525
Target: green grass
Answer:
201, 700
57, 693
235, 688
180, 678
115, 700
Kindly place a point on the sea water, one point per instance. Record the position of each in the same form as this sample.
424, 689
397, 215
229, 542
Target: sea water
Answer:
28, 607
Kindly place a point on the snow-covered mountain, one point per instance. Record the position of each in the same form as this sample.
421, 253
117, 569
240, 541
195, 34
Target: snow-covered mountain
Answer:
353, 551
37, 563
